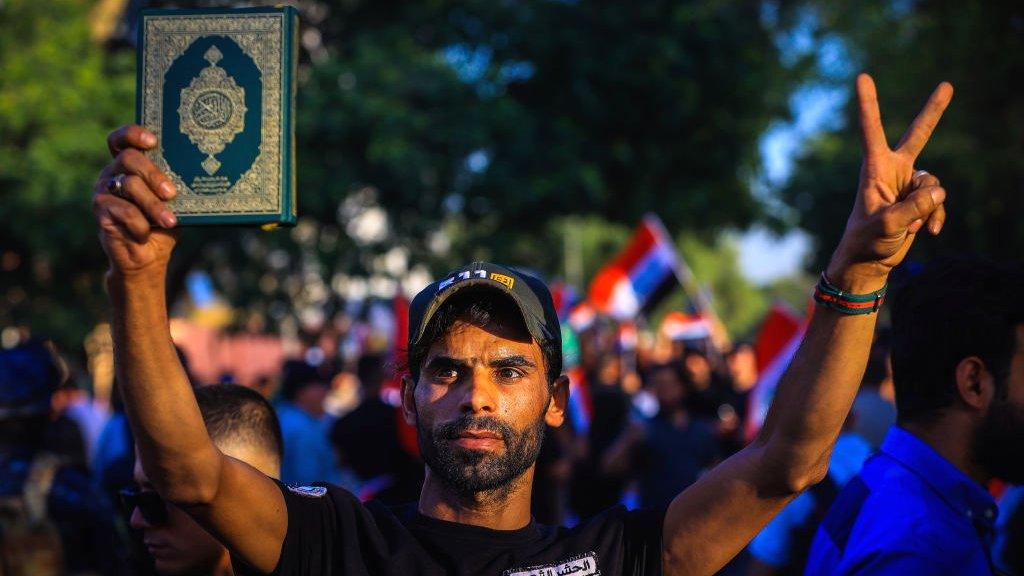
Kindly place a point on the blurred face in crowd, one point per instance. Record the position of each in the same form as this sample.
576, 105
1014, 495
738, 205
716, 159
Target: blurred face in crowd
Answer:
743, 367
611, 371
311, 398
699, 369
481, 404
668, 388
179, 546
1000, 436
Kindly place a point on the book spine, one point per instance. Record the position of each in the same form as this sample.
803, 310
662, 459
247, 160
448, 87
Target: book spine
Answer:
291, 56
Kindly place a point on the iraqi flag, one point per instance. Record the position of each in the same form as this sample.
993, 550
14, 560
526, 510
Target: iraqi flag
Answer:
678, 326
776, 344
639, 276
564, 297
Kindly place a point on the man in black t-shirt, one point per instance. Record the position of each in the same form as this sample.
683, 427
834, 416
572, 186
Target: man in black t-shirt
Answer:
484, 380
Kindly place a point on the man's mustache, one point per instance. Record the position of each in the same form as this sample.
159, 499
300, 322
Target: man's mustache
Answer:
455, 428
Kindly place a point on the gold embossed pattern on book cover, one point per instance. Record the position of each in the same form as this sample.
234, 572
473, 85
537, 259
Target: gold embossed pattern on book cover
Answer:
215, 102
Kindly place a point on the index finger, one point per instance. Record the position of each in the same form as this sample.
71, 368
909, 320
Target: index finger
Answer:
130, 136
871, 133
921, 128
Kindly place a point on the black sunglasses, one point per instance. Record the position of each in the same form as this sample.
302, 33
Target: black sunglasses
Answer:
149, 503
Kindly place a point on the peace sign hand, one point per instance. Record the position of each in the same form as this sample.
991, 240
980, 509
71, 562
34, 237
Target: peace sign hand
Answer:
893, 201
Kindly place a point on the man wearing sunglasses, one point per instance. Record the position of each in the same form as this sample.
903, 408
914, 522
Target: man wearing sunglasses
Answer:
242, 425
485, 378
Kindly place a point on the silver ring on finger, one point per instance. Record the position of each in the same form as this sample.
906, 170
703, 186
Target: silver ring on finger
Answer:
116, 186
920, 173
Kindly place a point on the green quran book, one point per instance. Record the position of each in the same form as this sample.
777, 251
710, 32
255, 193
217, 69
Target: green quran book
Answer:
217, 87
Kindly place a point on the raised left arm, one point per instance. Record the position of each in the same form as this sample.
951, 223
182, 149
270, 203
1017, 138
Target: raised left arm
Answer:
714, 519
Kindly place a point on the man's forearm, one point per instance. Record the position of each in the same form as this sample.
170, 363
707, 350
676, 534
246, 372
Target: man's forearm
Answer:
814, 397
176, 452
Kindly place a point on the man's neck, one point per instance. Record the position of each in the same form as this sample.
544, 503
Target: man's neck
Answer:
507, 508
951, 438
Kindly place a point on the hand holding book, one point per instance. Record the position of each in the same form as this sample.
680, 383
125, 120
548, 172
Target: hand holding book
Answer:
130, 203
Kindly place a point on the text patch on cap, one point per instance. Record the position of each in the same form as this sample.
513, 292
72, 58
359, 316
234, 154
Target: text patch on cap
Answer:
508, 281
466, 275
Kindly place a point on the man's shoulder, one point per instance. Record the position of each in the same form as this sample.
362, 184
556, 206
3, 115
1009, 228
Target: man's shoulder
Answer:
639, 524
313, 492
891, 498
616, 540
899, 515
884, 515
904, 499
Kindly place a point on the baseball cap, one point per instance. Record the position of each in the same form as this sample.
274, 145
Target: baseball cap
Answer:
530, 295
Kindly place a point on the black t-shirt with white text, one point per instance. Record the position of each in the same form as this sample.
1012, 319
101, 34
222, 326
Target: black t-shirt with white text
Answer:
330, 532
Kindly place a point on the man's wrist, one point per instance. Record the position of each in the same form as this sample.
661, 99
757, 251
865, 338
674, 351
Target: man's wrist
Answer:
154, 279
863, 278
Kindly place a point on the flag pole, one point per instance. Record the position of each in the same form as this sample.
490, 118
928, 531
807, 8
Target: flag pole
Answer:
688, 281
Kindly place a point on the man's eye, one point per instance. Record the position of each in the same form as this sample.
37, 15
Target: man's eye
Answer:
447, 374
509, 373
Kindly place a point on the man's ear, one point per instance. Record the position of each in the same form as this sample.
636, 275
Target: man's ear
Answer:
974, 383
555, 414
408, 399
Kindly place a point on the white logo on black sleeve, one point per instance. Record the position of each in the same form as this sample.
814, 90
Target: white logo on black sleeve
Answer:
582, 565
308, 491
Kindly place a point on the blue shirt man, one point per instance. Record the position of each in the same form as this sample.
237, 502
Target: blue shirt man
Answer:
909, 511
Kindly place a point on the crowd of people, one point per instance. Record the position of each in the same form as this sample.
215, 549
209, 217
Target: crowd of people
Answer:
649, 420
652, 417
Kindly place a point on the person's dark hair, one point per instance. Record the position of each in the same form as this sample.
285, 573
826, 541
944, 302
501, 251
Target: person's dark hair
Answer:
955, 308
296, 375
237, 414
693, 349
478, 307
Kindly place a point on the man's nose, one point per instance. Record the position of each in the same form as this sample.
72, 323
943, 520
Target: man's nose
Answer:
136, 520
479, 395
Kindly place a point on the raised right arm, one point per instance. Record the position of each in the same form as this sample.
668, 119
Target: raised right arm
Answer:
234, 501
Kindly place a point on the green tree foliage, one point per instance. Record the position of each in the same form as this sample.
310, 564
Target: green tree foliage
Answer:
59, 96
490, 119
978, 148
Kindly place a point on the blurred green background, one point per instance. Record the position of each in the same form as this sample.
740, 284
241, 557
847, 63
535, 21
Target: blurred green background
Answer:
534, 133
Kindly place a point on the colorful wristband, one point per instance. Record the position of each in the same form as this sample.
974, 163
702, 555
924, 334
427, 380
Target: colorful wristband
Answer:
829, 296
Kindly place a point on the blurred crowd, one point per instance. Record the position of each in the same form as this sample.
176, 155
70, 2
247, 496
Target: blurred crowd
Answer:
649, 413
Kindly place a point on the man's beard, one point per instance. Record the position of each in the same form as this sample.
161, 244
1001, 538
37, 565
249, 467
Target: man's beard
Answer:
471, 472
999, 442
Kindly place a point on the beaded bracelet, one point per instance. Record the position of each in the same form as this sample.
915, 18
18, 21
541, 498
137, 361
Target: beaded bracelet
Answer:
829, 296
